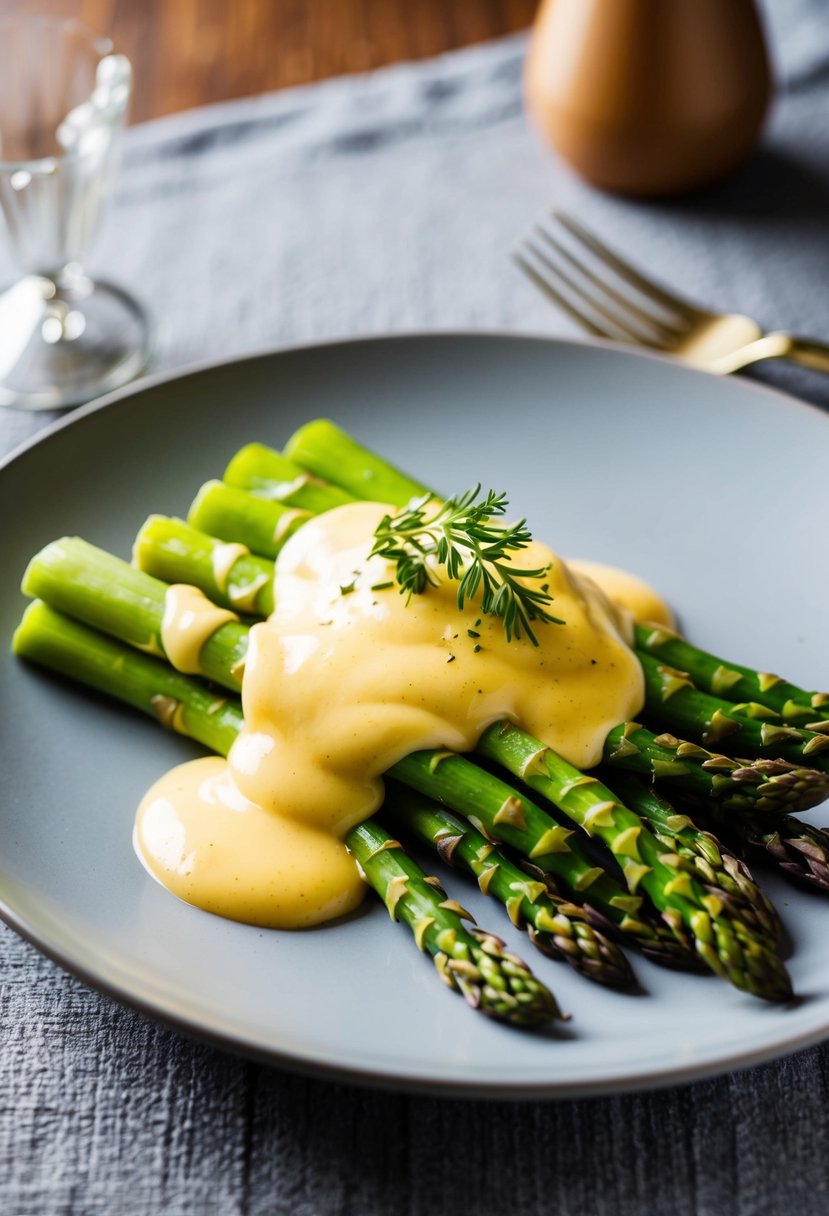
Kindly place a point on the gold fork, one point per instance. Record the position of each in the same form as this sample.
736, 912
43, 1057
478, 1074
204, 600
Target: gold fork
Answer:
611, 299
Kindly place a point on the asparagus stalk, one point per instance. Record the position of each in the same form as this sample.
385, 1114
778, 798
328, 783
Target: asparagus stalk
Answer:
328, 452
715, 867
227, 573
501, 813
556, 926
731, 680
140, 680
770, 786
234, 515
108, 594
725, 943
799, 850
469, 960
672, 699
271, 475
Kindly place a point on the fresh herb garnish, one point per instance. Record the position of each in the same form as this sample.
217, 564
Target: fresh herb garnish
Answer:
461, 536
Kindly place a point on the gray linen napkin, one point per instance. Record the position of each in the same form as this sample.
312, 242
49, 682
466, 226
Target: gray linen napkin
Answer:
365, 205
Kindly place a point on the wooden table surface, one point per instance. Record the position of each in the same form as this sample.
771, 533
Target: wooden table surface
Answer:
189, 52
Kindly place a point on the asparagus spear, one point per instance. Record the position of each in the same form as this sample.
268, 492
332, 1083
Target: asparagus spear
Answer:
328, 452
725, 943
228, 573
556, 926
501, 813
766, 785
272, 475
731, 680
469, 960
235, 515
140, 680
718, 869
103, 591
672, 699
799, 850
770, 786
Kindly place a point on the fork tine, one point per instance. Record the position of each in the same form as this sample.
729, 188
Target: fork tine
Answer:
625, 271
657, 328
617, 328
576, 314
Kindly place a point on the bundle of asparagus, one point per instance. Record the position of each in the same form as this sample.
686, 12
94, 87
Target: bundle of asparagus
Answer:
657, 881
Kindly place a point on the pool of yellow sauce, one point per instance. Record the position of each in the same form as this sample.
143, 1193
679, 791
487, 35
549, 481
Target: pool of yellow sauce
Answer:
344, 679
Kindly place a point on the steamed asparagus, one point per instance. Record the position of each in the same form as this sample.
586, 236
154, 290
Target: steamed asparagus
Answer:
724, 942
696, 919
555, 925
732, 680
726, 945
672, 699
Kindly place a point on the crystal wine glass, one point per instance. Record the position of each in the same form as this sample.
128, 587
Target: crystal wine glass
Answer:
63, 105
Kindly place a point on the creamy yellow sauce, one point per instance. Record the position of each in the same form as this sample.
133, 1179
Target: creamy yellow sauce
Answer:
189, 620
344, 679
223, 558
207, 844
626, 591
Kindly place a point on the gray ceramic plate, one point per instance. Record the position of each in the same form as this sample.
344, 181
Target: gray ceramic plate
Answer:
714, 490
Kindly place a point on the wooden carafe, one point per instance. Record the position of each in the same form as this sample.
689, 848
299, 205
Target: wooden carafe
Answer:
649, 97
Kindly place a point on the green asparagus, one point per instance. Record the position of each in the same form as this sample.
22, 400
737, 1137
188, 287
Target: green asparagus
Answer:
555, 925
271, 475
727, 945
672, 699
234, 515
731, 680
723, 922
715, 867
326, 451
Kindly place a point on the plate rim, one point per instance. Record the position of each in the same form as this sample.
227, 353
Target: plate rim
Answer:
199, 366
314, 1063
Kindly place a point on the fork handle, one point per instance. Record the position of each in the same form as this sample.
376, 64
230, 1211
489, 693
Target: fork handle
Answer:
808, 352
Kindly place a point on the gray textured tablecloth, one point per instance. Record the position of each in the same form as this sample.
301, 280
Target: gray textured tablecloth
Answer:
365, 205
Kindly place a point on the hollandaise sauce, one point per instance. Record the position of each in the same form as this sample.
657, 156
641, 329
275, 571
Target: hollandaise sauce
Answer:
346, 677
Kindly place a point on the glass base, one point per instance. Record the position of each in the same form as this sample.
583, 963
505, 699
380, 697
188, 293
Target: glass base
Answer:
65, 343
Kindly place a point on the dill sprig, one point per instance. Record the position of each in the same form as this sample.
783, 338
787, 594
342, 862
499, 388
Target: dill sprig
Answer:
476, 553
